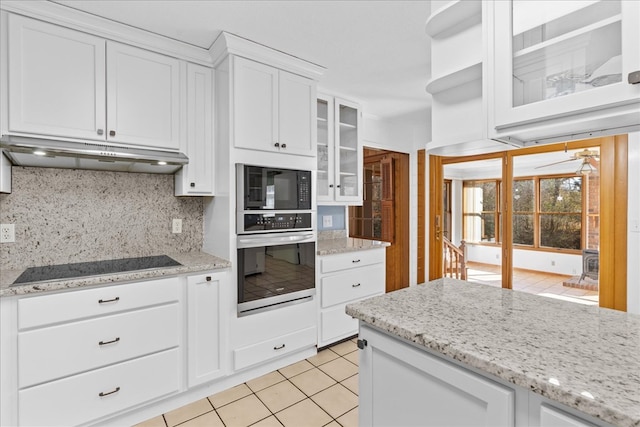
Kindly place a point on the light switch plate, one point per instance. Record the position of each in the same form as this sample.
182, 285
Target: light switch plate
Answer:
327, 221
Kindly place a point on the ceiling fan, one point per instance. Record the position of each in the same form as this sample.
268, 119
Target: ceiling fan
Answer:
588, 158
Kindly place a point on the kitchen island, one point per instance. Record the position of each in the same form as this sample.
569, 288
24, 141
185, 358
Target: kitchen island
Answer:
453, 352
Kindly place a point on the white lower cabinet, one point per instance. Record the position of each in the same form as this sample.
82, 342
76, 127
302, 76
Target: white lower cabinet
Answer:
401, 384
272, 348
344, 278
206, 355
85, 397
86, 354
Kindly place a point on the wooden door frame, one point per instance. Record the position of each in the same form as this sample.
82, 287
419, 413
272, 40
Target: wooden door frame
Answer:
613, 212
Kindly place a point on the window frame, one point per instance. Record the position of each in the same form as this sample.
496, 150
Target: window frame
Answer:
536, 213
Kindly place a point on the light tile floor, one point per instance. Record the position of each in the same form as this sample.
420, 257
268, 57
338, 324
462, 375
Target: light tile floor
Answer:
315, 392
534, 282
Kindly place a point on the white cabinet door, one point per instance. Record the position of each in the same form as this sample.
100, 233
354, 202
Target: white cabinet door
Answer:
255, 105
552, 62
196, 178
325, 179
56, 80
401, 385
273, 110
204, 328
297, 114
143, 95
348, 152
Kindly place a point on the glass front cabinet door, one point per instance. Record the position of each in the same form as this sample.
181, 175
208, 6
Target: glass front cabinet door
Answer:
339, 151
562, 61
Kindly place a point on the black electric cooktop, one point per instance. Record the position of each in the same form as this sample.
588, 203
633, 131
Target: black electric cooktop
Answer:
94, 268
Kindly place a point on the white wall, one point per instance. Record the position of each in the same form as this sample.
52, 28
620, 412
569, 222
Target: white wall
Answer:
529, 260
405, 134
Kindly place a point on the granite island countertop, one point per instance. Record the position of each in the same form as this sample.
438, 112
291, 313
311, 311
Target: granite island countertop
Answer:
192, 262
585, 357
347, 244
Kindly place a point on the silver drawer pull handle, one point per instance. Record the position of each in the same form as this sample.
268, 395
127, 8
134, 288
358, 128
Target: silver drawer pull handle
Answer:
355, 261
356, 285
103, 394
104, 301
279, 347
109, 342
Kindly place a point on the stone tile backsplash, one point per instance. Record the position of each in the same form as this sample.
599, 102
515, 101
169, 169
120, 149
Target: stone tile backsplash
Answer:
68, 215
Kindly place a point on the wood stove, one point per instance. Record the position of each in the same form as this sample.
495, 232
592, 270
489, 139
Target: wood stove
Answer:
590, 264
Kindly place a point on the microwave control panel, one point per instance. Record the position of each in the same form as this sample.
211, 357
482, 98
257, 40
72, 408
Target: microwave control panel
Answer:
277, 222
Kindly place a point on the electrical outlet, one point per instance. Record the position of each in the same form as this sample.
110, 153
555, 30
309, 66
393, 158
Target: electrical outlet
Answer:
553, 263
7, 233
176, 226
327, 221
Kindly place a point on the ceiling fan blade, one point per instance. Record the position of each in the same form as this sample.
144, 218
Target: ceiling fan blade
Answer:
555, 163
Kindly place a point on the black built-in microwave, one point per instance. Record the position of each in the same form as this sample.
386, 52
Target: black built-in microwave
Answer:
273, 199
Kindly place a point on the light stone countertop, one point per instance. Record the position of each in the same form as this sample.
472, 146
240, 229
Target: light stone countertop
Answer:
525, 339
347, 244
192, 262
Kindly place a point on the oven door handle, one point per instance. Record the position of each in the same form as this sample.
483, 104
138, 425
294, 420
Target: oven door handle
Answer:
248, 242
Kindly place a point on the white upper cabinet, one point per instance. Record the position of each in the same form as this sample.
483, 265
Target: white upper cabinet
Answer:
561, 68
57, 80
143, 97
273, 110
197, 178
339, 151
66, 83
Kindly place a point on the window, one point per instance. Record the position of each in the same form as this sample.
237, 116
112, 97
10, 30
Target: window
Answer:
561, 212
547, 212
481, 216
524, 203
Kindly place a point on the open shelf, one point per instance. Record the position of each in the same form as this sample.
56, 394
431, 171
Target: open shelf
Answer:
452, 14
457, 78
546, 48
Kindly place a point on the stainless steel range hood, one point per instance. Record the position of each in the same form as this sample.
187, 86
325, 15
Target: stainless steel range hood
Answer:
40, 152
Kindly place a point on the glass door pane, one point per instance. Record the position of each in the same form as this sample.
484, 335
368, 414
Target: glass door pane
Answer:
323, 179
348, 150
564, 47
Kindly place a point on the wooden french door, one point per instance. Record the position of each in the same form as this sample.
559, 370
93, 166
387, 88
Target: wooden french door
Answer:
613, 213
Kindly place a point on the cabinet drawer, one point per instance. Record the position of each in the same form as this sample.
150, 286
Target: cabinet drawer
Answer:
71, 305
352, 285
330, 263
49, 353
76, 400
276, 347
335, 324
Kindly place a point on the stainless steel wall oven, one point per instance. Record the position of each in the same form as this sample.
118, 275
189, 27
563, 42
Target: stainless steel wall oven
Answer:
276, 240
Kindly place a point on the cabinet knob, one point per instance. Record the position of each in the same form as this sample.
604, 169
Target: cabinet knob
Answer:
193, 184
208, 278
330, 185
284, 145
338, 185
112, 133
277, 144
362, 344
634, 77
100, 131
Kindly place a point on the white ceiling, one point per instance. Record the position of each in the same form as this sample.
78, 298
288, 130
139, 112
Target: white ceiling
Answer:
375, 52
